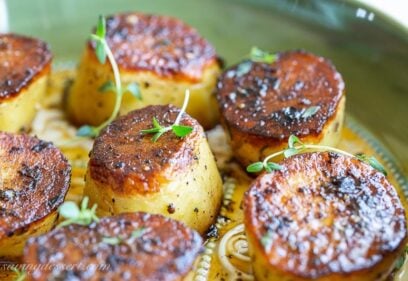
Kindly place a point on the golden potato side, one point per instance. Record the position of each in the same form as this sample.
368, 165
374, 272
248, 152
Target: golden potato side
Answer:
263, 104
324, 217
24, 67
163, 55
176, 177
132, 246
35, 178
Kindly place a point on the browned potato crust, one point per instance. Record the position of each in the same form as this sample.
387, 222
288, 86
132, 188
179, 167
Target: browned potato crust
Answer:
35, 178
174, 176
263, 104
324, 217
164, 55
165, 250
24, 67
22, 60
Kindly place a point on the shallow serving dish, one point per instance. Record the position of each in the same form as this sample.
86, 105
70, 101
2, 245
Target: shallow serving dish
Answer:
370, 50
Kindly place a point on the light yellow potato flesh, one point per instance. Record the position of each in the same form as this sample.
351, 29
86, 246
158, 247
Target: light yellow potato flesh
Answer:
248, 152
11, 248
87, 105
16, 113
195, 193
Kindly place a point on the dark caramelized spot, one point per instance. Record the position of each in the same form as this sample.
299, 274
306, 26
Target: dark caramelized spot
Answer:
34, 180
270, 99
21, 60
161, 44
130, 163
328, 214
165, 250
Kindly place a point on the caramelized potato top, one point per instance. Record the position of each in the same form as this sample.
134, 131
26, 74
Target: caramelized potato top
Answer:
270, 100
325, 213
162, 249
34, 178
131, 163
21, 60
163, 45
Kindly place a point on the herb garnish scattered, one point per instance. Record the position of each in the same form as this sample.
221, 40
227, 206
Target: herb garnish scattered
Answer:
84, 216
401, 261
178, 130
119, 240
258, 55
295, 146
20, 274
102, 51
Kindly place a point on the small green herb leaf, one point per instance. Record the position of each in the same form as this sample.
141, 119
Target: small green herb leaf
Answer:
109, 86
150, 131
181, 131
372, 161
243, 68
376, 165
138, 232
259, 55
20, 274
101, 27
156, 123
100, 51
309, 112
134, 90
293, 140
69, 210
266, 240
178, 130
273, 166
111, 240
74, 215
86, 131
157, 136
290, 152
255, 167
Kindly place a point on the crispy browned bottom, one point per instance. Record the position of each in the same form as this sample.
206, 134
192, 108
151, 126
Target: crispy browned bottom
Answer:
164, 250
325, 217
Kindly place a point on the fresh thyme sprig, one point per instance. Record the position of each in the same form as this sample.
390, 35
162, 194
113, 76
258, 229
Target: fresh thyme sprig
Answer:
258, 55
255, 55
74, 215
103, 52
116, 240
20, 274
179, 130
295, 146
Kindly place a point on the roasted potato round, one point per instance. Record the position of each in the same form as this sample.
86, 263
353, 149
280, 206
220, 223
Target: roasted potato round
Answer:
24, 67
324, 217
162, 54
263, 104
176, 177
34, 179
132, 246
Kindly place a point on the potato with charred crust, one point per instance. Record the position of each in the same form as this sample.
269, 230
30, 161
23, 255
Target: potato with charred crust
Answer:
34, 179
263, 104
24, 67
174, 176
131, 246
162, 54
324, 217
